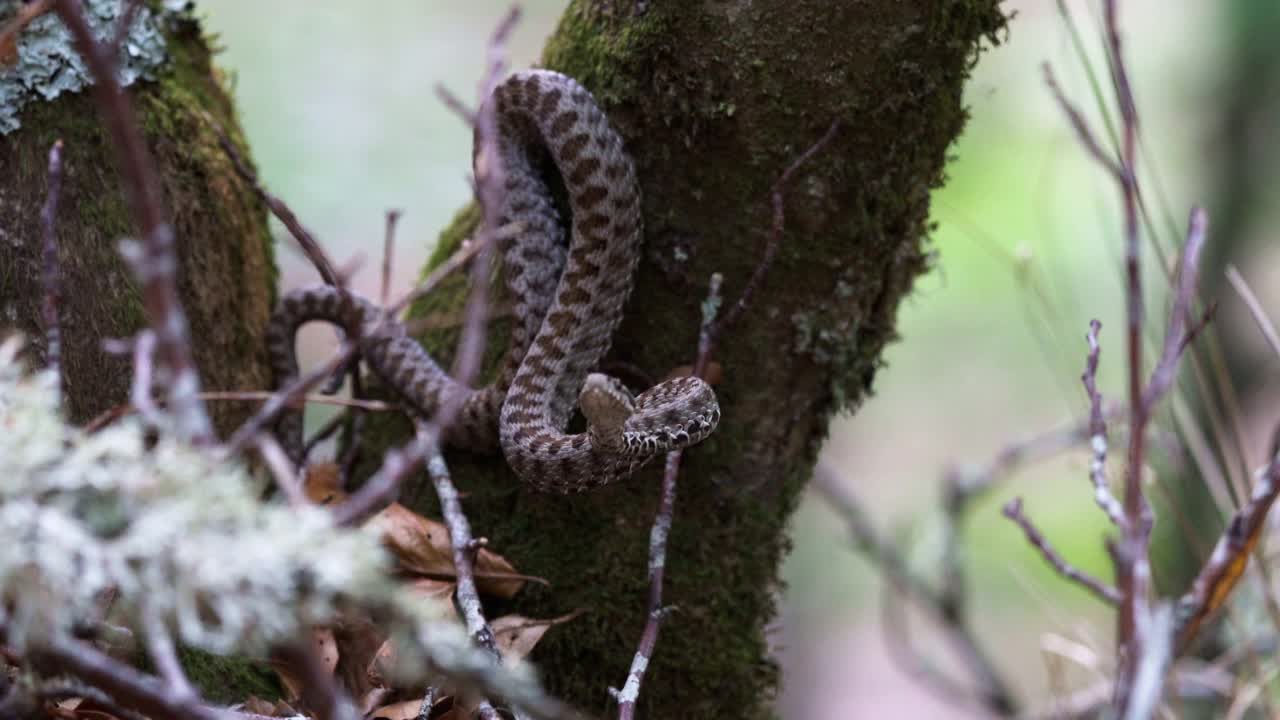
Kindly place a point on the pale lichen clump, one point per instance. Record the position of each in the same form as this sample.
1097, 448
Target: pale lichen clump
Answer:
174, 531
48, 65
180, 537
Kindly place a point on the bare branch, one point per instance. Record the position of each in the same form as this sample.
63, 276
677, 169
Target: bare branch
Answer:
51, 269
1080, 125
388, 251
1175, 339
661, 529
1104, 592
123, 26
288, 396
1098, 432
994, 693
490, 182
464, 555
127, 685
382, 486
1226, 565
775, 235
306, 241
1255, 308
282, 469
162, 653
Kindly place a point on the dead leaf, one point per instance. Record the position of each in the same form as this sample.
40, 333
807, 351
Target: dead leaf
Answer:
78, 708
714, 374
359, 638
441, 590
323, 484
257, 706
516, 635
383, 660
408, 710
421, 546
326, 649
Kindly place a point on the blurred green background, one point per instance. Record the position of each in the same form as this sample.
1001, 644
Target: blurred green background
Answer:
337, 100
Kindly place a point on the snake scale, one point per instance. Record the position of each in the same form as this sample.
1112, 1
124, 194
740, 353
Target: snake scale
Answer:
568, 301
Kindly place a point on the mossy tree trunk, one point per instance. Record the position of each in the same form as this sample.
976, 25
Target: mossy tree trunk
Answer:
715, 99
226, 273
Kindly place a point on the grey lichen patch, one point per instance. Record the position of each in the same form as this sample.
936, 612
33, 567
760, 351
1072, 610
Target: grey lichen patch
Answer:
48, 64
180, 538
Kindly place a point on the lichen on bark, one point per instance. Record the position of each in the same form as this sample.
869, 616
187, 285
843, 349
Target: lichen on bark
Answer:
226, 271
714, 100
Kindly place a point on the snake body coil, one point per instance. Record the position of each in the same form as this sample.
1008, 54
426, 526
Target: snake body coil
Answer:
567, 305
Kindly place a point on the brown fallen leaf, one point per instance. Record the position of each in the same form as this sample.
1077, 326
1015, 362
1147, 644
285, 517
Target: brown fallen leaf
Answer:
323, 484
257, 706
441, 590
408, 710
359, 638
327, 650
715, 373
78, 708
421, 546
517, 635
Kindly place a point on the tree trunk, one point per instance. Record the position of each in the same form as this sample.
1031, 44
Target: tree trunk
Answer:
714, 100
226, 273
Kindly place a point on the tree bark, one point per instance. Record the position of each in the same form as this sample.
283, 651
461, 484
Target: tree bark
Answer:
715, 99
226, 271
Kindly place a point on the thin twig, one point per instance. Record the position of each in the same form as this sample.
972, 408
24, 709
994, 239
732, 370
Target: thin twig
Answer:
455, 262
397, 464
464, 555
282, 469
464, 551
1230, 557
661, 529
51, 269
287, 397
428, 701
306, 241
123, 26
144, 347
1255, 308
62, 688
388, 251
146, 693
165, 657
1098, 432
1134, 572
995, 695
775, 236
658, 534
110, 415
1080, 125
1175, 339
1104, 592
489, 186
154, 260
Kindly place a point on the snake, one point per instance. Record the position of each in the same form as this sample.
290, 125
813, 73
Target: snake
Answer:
568, 297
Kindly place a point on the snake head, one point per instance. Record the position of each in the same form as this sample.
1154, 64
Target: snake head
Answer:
607, 404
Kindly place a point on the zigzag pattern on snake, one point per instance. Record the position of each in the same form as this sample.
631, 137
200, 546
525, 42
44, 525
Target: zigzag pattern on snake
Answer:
567, 303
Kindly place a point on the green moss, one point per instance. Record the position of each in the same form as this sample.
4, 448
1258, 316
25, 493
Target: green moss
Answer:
230, 680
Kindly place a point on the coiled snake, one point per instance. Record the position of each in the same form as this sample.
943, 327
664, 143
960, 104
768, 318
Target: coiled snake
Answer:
567, 304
